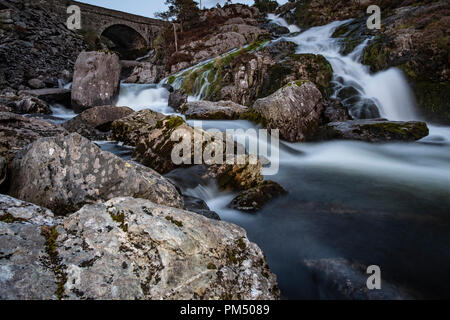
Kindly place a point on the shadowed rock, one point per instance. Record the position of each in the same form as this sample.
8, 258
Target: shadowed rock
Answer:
206, 110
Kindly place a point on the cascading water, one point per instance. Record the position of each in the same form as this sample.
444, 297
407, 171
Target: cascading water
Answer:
389, 90
148, 96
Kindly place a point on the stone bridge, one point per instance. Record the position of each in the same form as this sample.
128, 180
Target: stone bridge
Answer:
131, 35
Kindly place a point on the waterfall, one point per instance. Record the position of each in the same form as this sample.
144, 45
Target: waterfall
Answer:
139, 97
388, 90
280, 21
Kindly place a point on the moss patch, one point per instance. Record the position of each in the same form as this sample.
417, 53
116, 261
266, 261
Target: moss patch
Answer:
179, 224
9, 218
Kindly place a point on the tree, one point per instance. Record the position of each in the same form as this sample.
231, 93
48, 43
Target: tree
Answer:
184, 11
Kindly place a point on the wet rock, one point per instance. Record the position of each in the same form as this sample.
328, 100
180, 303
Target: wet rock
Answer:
276, 29
51, 95
199, 206
335, 112
177, 98
131, 128
17, 131
95, 80
145, 72
377, 130
339, 278
206, 110
127, 249
295, 110
95, 123
365, 109
25, 104
65, 172
256, 198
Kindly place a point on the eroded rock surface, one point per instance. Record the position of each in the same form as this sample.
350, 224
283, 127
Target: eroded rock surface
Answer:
206, 110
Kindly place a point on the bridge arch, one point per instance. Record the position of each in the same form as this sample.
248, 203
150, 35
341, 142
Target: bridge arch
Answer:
129, 42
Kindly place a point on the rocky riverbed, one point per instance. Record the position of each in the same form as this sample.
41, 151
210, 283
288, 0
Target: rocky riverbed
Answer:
93, 206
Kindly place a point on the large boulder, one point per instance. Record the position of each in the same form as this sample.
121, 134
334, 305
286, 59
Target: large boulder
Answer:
295, 110
96, 80
207, 110
95, 123
65, 172
377, 130
17, 131
128, 249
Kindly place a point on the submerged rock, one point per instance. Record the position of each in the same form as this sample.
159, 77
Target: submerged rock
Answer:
377, 130
65, 172
206, 110
95, 123
341, 279
17, 131
256, 198
96, 80
295, 110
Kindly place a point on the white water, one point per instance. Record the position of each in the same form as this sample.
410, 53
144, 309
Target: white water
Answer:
280, 21
389, 89
139, 97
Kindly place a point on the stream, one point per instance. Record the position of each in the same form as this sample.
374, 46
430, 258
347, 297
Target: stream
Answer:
375, 204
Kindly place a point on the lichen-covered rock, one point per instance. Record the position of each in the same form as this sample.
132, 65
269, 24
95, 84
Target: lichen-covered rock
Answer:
65, 172
207, 110
133, 249
338, 278
17, 131
377, 130
127, 249
95, 123
96, 80
256, 198
132, 127
24, 270
295, 110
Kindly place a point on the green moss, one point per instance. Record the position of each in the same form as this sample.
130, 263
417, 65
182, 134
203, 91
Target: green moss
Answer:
173, 122
171, 79
9, 218
211, 266
120, 219
179, 224
51, 246
433, 99
241, 244
255, 117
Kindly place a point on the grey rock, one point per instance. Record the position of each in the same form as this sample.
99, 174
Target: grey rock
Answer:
199, 206
36, 84
65, 172
256, 198
134, 249
376, 130
177, 98
295, 110
25, 104
3, 170
96, 80
51, 95
207, 110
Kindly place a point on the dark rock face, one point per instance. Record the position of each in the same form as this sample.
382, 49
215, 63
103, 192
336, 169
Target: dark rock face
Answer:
3, 170
335, 112
206, 110
96, 80
342, 279
378, 130
35, 47
177, 98
295, 110
25, 104
72, 171
95, 123
199, 206
256, 198
16, 132
415, 39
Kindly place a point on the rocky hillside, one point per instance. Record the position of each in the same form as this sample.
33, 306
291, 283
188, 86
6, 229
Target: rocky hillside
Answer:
36, 48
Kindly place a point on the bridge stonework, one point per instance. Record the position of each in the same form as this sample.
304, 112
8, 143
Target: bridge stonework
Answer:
100, 19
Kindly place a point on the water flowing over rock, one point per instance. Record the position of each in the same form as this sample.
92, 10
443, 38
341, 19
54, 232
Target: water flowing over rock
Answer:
128, 249
65, 172
206, 110
95, 80
377, 130
95, 123
295, 110
17, 131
